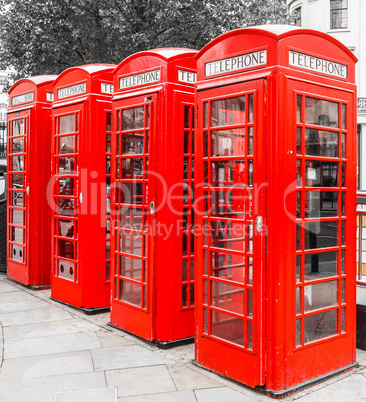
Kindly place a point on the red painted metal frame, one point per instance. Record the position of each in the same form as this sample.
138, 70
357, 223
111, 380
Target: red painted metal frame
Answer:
154, 300
287, 365
29, 101
81, 182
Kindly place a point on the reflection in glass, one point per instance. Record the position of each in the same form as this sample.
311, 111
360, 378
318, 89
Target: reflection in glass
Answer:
130, 293
108, 122
133, 118
66, 228
17, 180
227, 297
321, 174
66, 249
251, 108
299, 108
321, 234
17, 235
298, 140
66, 144
133, 144
250, 141
344, 116
67, 124
18, 127
318, 326
321, 204
228, 143
321, 112
17, 163
321, 143
227, 327
66, 165
66, 186
320, 295
321, 265
18, 145
66, 207
229, 111
231, 172
17, 199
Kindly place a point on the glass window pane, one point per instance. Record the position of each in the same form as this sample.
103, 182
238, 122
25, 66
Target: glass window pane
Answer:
321, 143
17, 235
321, 174
66, 228
321, 204
66, 144
133, 118
227, 266
17, 180
17, 198
320, 265
227, 327
228, 143
321, 112
226, 112
17, 163
66, 165
321, 234
133, 144
66, 186
17, 217
18, 145
227, 297
318, 326
251, 108
299, 109
130, 293
18, 127
320, 295
67, 124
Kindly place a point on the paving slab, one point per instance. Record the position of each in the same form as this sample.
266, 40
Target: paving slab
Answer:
179, 396
126, 357
185, 378
51, 345
140, 380
46, 366
27, 317
90, 395
110, 339
351, 388
44, 389
7, 287
221, 394
49, 328
19, 301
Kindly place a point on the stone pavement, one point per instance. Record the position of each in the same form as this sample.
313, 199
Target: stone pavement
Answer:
53, 353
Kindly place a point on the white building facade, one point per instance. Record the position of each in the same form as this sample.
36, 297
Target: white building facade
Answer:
343, 19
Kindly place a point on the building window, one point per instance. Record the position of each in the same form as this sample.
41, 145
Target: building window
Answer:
297, 16
338, 14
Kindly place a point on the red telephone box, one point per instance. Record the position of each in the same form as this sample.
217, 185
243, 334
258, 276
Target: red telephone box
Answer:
152, 199
276, 202
29, 218
81, 187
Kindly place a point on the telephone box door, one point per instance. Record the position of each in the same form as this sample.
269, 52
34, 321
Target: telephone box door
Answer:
18, 128
133, 303
230, 193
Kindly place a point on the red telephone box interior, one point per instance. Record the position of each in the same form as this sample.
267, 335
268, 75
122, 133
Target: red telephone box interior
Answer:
81, 187
152, 202
29, 218
275, 188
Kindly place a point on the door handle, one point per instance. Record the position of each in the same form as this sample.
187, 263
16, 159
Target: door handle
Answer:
81, 198
152, 207
27, 190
